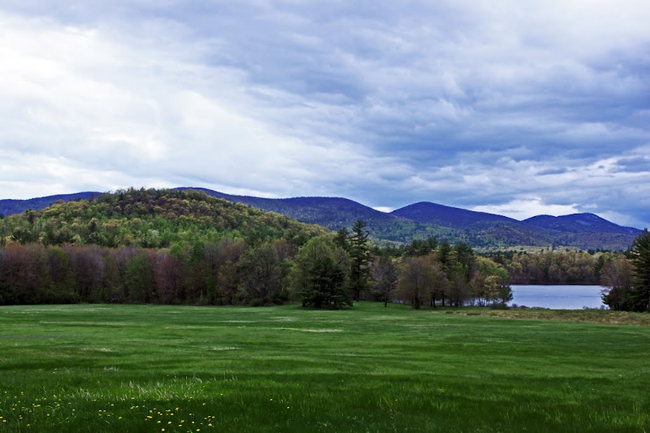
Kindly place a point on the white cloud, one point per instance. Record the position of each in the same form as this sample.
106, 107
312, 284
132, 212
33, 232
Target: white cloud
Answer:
525, 208
129, 113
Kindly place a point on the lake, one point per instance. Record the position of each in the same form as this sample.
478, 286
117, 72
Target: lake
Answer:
557, 297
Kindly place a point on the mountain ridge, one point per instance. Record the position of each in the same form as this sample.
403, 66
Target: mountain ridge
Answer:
417, 221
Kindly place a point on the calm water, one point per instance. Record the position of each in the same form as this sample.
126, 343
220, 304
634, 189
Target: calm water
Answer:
557, 297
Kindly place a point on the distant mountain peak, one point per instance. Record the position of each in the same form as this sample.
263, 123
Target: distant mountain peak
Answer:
448, 216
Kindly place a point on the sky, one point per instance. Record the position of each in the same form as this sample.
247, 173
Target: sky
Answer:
515, 107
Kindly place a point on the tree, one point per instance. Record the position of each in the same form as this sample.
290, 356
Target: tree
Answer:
487, 281
616, 277
384, 275
497, 293
465, 256
342, 239
319, 276
261, 273
444, 250
641, 278
416, 280
419, 247
359, 259
170, 269
62, 285
197, 271
227, 283
139, 278
87, 267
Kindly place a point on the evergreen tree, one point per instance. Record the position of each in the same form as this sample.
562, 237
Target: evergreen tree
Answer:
419, 247
319, 275
444, 250
641, 278
359, 258
342, 239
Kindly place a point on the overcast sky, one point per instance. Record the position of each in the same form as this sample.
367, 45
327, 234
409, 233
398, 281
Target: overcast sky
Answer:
514, 107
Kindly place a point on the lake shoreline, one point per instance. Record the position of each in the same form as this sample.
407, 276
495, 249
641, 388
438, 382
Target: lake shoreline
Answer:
558, 297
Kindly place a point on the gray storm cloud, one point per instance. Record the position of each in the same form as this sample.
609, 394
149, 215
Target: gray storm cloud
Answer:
513, 107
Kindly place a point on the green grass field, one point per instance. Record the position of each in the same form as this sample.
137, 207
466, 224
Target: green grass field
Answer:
100, 368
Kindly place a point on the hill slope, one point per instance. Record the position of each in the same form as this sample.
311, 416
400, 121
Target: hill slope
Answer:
11, 207
332, 212
150, 218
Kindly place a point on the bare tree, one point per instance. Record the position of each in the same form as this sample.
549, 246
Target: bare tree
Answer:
384, 275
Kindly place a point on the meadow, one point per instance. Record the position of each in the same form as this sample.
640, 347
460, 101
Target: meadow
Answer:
141, 368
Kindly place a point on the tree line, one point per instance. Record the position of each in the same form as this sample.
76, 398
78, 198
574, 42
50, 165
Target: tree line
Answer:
327, 271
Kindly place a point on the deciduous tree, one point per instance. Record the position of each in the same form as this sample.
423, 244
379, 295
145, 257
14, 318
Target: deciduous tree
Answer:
416, 280
384, 275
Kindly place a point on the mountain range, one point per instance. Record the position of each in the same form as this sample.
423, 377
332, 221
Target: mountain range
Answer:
416, 221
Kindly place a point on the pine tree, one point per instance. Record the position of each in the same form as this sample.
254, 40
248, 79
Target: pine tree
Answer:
359, 258
342, 239
319, 275
641, 279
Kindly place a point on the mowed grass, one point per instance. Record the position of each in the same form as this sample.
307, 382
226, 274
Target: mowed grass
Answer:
133, 368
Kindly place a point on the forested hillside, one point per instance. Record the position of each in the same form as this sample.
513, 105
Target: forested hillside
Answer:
150, 218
